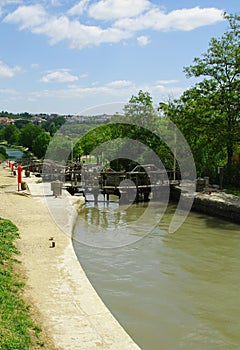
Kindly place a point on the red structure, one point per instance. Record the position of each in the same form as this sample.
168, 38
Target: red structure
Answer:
19, 169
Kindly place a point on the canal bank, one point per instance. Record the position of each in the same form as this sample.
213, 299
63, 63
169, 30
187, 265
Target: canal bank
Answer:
211, 202
68, 308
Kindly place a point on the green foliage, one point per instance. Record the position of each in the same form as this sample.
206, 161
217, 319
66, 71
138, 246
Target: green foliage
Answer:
200, 126
139, 106
23, 132
149, 125
220, 89
2, 133
10, 115
20, 123
29, 133
231, 175
3, 153
40, 144
208, 113
139, 114
17, 331
53, 124
59, 149
140, 110
234, 191
11, 134
77, 129
134, 125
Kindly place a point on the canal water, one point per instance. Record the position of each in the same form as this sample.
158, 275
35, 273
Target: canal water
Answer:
13, 153
169, 291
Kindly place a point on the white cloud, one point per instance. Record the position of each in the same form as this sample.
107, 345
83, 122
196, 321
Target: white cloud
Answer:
8, 72
84, 75
120, 83
79, 8
75, 98
118, 89
189, 19
143, 40
113, 9
62, 28
166, 82
78, 35
184, 19
161, 92
27, 16
59, 76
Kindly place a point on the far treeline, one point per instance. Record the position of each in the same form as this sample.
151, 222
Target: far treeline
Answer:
31, 136
207, 115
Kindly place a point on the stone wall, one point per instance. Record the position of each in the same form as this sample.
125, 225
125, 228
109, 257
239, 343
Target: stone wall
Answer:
220, 204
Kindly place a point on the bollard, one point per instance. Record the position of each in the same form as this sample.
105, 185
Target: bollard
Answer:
56, 187
52, 244
19, 169
51, 239
12, 168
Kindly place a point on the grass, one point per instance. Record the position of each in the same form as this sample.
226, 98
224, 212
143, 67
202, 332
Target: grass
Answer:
234, 191
17, 330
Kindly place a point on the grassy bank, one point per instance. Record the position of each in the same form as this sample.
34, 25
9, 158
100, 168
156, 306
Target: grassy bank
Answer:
3, 153
17, 330
234, 191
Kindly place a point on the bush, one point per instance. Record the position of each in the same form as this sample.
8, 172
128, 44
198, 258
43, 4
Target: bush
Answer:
3, 153
231, 175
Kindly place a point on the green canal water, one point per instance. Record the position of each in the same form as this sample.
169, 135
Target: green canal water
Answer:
169, 291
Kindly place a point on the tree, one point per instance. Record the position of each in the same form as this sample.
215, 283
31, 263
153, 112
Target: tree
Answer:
199, 122
95, 140
59, 149
2, 133
11, 134
21, 122
53, 124
220, 67
40, 144
3, 153
140, 108
29, 133
149, 125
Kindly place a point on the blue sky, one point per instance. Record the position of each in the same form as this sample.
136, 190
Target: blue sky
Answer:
63, 57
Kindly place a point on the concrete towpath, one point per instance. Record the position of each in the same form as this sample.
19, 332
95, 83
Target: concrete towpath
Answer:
71, 313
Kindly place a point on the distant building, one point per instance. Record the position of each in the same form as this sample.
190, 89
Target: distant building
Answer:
6, 120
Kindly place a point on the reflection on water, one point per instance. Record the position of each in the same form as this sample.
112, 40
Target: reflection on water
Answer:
169, 291
110, 225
